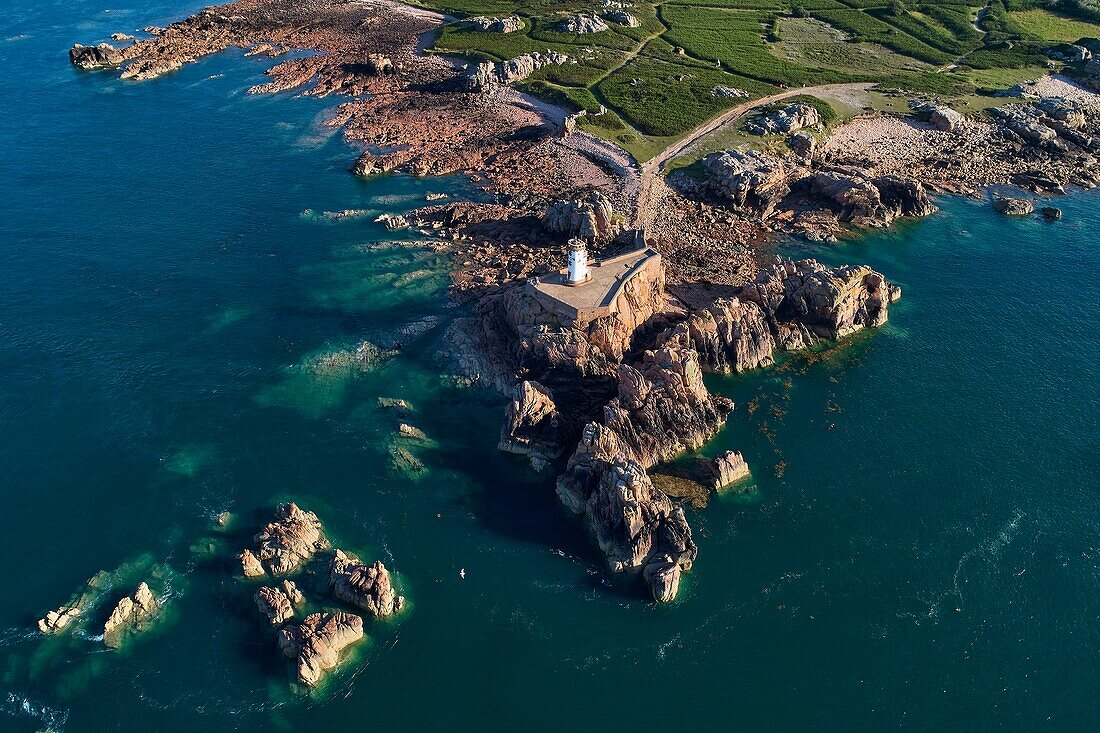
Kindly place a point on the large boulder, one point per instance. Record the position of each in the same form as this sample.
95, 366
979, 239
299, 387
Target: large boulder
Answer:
284, 545
590, 217
317, 642
1013, 207
869, 202
621, 17
728, 469
751, 181
663, 408
730, 336
278, 603
365, 586
582, 23
803, 145
1026, 123
636, 525
379, 65
939, 116
789, 119
1073, 114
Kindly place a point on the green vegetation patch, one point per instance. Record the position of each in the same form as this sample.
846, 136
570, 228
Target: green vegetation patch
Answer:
1051, 26
664, 99
810, 41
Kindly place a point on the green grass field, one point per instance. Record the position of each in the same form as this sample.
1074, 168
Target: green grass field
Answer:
659, 80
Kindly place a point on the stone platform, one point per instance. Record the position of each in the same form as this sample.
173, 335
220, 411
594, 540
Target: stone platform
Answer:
597, 296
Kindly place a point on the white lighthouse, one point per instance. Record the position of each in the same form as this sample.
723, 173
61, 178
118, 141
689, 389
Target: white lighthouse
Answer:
578, 263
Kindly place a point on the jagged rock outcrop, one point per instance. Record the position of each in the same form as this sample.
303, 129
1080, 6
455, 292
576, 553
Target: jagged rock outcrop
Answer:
727, 469
831, 302
591, 217
55, 621
531, 425
1051, 213
278, 603
730, 336
749, 180
1025, 122
129, 615
1073, 114
663, 408
635, 525
510, 24
316, 643
371, 164
1070, 53
789, 119
58, 620
582, 23
1013, 207
621, 17
365, 586
101, 56
286, 544
866, 202
485, 75
940, 116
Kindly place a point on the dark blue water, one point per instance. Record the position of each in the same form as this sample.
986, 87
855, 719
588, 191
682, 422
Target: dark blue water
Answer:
920, 550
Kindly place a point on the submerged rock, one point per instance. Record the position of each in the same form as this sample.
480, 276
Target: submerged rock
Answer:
405, 463
316, 643
365, 586
129, 614
396, 404
285, 544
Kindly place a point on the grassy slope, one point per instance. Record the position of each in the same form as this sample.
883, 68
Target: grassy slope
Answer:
657, 81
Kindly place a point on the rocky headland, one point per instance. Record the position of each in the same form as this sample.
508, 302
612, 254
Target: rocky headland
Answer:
601, 395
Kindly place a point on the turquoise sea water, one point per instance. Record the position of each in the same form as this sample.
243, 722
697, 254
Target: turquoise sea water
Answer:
928, 559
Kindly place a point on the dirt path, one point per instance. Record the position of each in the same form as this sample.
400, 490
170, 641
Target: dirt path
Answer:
651, 169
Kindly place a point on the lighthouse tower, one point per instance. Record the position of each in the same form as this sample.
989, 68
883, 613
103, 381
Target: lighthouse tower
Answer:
578, 263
